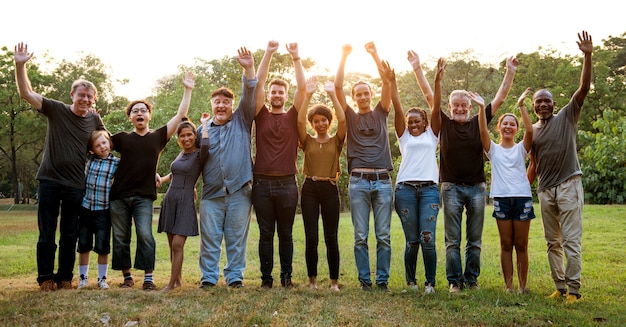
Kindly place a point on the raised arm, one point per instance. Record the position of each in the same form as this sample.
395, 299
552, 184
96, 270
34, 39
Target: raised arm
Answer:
485, 139
301, 83
21, 56
586, 46
389, 77
385, 97
311, 87
435, 109
262, 73
188, 82
339, 77
528, 125
329, 87
414, 60
505, 87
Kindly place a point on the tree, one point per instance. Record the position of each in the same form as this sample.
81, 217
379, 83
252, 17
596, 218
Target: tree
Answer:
603, 159
24, 129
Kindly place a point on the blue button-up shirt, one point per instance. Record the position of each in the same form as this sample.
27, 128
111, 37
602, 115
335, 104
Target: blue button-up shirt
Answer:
229, 165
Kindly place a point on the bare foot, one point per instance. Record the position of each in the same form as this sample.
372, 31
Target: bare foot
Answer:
313, 286
334, 287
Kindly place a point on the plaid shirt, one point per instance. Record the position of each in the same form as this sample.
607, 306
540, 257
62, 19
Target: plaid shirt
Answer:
99, 173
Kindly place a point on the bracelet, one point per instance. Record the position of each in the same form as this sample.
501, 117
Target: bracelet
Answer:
296, 58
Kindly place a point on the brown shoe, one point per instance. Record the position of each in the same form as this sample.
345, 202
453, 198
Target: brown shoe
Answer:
47, 286
65, 285
128, 283
149, 286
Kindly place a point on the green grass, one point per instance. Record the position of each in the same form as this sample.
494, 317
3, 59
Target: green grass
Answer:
604, 254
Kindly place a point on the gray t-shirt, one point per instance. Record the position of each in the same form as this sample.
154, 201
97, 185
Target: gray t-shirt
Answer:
368, 139
65, 149
554, 147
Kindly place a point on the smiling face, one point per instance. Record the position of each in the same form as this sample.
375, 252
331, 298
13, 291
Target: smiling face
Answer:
83, 99
460, 106
101, 146
362, 96
508, 127
543, 104
187, 139
416, 122
277, 96
320, 124
222, 107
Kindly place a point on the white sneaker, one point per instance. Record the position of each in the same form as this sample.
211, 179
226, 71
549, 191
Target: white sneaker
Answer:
82, 283
102, 283
429, 289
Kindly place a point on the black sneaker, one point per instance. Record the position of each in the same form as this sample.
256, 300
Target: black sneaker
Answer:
383, 287
206, 285
236, 284
366, 286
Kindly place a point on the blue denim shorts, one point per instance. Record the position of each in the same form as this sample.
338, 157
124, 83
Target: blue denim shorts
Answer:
517, 208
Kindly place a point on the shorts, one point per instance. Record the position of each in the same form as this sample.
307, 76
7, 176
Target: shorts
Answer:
94, 224
516, 208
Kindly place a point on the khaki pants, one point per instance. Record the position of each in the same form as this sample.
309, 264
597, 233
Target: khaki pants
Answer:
561, 212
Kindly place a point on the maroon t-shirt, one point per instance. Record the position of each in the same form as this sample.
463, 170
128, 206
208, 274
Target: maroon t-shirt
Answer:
276, 142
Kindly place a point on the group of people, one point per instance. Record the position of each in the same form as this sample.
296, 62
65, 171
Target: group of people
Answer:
101, 195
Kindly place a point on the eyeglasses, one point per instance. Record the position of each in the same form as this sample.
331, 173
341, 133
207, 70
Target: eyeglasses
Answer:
136, 111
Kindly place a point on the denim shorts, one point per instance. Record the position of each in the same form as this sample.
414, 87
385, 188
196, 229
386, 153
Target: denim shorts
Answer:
517, 208
94, 231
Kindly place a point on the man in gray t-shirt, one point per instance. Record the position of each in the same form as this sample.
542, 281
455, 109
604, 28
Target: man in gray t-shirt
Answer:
554, 161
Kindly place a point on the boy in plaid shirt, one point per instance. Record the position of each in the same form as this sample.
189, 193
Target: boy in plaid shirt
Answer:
95, 217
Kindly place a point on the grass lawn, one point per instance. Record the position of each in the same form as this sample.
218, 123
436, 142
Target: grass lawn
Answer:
604, 266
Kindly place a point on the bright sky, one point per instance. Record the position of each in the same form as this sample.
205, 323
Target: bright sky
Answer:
145, 40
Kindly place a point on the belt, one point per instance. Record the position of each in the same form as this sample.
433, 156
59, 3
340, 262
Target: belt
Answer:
371, 176
321, 179
418, 184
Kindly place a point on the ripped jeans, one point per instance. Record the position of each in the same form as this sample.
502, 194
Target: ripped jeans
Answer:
417, 208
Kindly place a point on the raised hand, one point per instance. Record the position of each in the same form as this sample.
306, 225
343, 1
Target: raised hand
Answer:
370, 48
512, 63
584, 42
292, 48
413, 59
21, 54
477, 98
441, 68
520, 100
204, 119
329, 87
346, 49
189, 80
245, 58
386, 71
311, 85
272, 46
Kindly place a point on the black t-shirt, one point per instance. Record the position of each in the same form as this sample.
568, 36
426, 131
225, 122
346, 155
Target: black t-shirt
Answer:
65, 149
461, 153
139, 156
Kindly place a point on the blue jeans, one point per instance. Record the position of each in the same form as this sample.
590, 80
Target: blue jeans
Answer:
455, 198
321, 196
224, 218
365, 194
53, 196
123, 211
417, 208
275, 200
